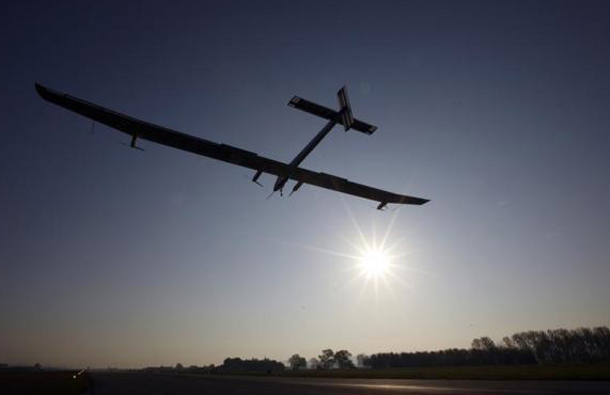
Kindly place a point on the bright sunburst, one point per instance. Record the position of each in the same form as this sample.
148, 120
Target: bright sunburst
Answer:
374, 263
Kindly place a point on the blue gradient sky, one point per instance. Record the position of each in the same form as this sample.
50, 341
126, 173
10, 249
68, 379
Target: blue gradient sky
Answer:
497, 111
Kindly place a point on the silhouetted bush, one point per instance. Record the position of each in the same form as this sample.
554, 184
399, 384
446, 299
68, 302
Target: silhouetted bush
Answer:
231, 365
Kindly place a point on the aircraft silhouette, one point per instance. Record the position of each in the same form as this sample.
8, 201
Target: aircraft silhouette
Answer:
237, 156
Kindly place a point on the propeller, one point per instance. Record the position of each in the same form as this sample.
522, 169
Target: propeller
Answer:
271, 194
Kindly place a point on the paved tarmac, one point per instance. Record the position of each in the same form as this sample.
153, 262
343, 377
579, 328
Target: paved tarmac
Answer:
146, 383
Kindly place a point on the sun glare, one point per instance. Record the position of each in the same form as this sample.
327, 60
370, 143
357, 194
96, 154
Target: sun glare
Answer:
374, 263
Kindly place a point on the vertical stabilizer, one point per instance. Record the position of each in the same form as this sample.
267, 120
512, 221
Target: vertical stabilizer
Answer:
345, 109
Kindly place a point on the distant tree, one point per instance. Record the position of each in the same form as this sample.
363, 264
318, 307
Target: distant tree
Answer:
487, 343
314, 363
327, 359
362, 360
37, 366
179, 366
484, 351
343, 359
530, 341
297, 362
508, 342
476, 344
484, 344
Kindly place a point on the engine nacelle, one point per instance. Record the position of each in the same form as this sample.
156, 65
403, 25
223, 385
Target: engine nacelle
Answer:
256, 176
296, 187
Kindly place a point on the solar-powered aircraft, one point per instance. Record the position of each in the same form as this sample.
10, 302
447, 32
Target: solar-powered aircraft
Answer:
237, 156
344, 116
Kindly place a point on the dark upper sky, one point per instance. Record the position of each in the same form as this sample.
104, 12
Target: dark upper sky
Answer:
497, 111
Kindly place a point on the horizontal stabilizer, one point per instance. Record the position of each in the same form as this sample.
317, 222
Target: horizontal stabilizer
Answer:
327, 113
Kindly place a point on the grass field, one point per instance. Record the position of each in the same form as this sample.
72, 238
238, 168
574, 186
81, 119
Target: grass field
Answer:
43, 383
502, 372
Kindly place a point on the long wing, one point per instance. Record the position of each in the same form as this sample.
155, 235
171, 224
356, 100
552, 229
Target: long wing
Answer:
223, 152
327, 113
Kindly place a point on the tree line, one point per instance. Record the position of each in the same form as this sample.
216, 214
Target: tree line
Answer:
231, 365
582, 345
328, 359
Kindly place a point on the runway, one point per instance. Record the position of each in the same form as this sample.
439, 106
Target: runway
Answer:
145, 383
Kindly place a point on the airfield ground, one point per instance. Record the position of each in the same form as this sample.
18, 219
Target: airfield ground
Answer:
146, 383
498, 372
558, 379
43, 383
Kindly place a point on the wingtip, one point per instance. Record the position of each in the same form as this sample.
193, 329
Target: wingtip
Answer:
421, 201
294, 101
40, 89
414, 200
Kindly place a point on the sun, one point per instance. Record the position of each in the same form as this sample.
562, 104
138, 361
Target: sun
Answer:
373, 259
374, 263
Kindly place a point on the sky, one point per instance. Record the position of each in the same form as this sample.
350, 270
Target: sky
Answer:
496, 111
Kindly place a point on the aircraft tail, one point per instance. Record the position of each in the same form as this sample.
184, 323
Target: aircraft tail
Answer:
347, 116
344, 116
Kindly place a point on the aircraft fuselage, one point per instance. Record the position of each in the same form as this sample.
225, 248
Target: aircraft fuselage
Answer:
281, 180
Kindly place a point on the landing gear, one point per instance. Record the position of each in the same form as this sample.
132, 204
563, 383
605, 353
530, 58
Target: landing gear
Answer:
134, 138
382, 205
